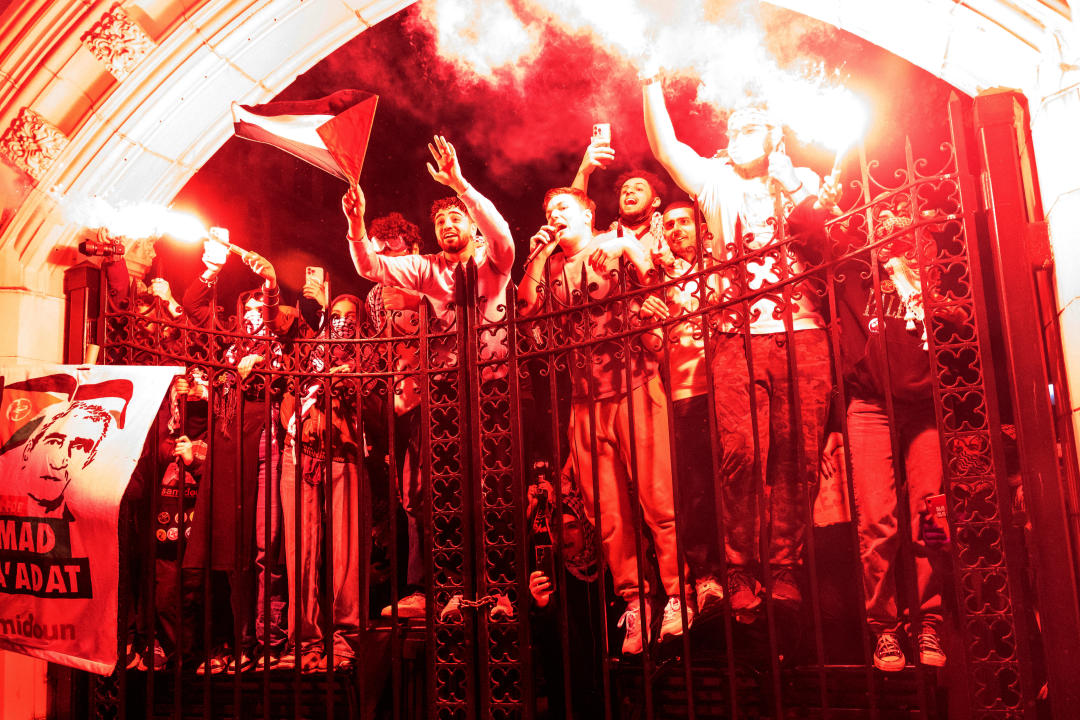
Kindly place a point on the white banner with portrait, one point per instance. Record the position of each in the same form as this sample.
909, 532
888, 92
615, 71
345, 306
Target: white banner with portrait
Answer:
69, 440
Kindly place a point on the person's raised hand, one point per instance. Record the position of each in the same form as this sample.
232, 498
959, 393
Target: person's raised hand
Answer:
261, 267
159, 288
596, 156
314, 290
353, 204
215, 253
447, 169
829, 194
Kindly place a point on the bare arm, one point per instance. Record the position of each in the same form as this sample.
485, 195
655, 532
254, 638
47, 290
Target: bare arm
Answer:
688, 169
626, 248
596, 156
530, 297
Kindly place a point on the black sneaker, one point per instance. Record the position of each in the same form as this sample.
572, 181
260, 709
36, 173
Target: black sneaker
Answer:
888, 656
930, 652
743, 590
785, 586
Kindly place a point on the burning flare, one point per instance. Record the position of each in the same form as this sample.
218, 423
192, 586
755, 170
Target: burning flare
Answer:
135, 222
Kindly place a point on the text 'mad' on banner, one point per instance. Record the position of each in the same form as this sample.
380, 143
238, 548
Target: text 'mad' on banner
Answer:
70, 437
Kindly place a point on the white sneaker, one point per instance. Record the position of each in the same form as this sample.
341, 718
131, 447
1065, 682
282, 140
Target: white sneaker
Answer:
631, 620
412, 606
673, 623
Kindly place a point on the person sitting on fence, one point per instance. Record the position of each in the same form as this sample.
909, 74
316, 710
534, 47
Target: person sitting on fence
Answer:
689, 392
883, 351
393, 313
572, 267
744, 194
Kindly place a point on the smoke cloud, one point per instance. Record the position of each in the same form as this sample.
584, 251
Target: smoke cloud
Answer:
734, 51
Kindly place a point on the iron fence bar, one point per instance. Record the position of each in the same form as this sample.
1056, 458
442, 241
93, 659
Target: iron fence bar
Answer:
459, 676
238, 555
758, 472
472, 514
795, 398
266, 471
296, 449
706, 273
362, 503
395, 490
519, 486
1013, 673
207, 571
680, 551
147, 553
588, 362
181, 545
428, 510
904, 557
634, 493
325, 567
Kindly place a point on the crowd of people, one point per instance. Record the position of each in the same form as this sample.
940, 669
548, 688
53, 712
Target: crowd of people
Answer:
704, 397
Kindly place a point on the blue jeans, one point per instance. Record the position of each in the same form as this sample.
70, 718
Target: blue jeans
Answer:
875, 486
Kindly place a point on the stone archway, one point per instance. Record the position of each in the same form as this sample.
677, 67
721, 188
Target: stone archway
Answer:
127, 101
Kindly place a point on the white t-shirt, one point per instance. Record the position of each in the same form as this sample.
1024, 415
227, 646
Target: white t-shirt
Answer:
739, 214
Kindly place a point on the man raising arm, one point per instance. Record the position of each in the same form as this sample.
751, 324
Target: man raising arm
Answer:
457, 221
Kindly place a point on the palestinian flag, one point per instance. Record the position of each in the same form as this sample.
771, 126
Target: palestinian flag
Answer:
331, 133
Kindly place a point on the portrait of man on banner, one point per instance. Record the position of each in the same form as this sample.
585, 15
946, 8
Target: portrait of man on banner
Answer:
69, 441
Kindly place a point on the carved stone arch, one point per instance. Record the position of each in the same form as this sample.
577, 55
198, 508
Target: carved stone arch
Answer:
127, 100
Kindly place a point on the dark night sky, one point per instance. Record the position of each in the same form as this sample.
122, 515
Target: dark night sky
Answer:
514, 142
